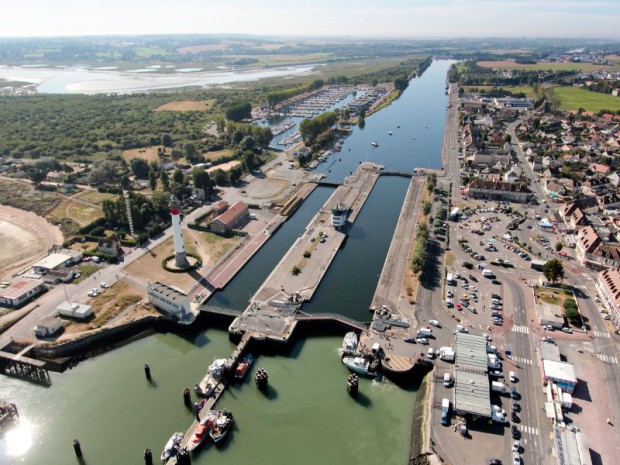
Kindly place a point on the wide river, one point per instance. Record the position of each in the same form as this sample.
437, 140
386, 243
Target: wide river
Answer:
308, 418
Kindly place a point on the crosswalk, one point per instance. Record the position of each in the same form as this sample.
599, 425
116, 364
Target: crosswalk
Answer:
604, 334
607, 358
529, 429
521, 329
522, 361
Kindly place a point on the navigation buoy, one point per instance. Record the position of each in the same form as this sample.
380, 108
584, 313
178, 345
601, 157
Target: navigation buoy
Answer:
147, 371
148, 457
183, 457
352, 384
261, 378
77, 448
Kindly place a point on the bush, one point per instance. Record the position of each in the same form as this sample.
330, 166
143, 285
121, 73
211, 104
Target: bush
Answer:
296, 270
307, 254
468, 265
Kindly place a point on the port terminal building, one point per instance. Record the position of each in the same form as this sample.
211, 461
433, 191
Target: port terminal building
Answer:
471, 380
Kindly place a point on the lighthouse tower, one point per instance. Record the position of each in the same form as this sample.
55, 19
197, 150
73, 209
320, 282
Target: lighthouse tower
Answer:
179, 248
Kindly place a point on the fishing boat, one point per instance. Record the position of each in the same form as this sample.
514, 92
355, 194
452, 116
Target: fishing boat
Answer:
358, 365
202, 431
222, 426
243, 367
349, 344
374, 144
171, 446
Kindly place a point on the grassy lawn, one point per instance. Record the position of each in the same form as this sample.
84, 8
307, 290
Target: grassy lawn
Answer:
543, 66
573, 98
80, 214
148, 153
552, 296
96, 197
85, 272
216, 155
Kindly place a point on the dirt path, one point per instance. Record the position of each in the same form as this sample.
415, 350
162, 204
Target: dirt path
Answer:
24, 236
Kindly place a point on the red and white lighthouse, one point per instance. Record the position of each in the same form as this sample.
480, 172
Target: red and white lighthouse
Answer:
180, 258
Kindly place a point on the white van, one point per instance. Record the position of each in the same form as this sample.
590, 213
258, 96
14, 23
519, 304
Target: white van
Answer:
512, 377
447, 379
431, 353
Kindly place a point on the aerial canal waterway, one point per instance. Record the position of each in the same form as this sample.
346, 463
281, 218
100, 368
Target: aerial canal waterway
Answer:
308, 418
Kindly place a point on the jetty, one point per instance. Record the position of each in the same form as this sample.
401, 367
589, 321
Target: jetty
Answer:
22, 367
272, 311
231, 362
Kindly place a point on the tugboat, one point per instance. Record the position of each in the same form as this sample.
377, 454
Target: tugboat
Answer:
349, 344
243, 367
171, 446
222, 426
374, 144
359, 365
202, 431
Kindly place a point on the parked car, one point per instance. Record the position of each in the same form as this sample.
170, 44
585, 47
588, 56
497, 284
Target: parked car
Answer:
516, 407
515, 418
421, 340
434, 323
549, 339
516, 446
566, 329
516, 434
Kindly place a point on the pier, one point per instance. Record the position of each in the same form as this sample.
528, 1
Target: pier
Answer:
272, 311
26, 368
231, 362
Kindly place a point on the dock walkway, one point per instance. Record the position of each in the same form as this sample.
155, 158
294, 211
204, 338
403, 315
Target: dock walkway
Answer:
231, 362
272, 309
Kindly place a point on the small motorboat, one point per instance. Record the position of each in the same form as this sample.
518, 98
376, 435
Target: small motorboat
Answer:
358, 365
390, 133
374, 144
349, 344
222, 426
202, 431
243, 368
171, 446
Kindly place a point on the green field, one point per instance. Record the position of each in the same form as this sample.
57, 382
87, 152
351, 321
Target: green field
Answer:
573, 98
543, 66
147, 52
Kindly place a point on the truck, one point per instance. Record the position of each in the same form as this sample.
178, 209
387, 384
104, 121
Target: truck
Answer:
425, 332
446, 354
445, 412
488, 274
493, 361
497, 386
454, 214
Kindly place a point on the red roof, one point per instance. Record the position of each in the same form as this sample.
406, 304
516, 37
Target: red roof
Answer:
232, 213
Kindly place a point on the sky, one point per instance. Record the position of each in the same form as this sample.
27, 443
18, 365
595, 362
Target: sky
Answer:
357, 18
